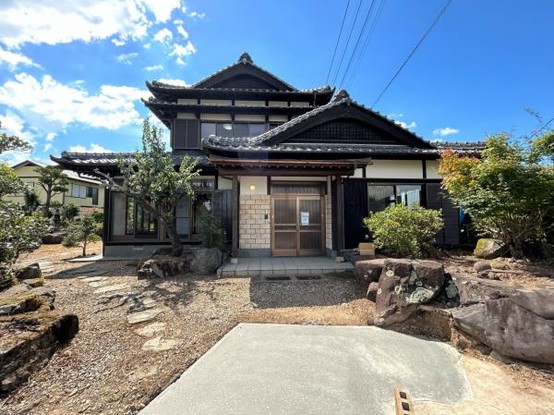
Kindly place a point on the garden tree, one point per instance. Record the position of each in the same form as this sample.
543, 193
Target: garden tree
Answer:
53, 181
12, 142
152, 180
405, 230
507, 192
83, 230
32, 201
18, 232
69, 213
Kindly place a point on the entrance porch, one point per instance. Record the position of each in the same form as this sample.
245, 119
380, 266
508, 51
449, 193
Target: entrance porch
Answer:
281, 266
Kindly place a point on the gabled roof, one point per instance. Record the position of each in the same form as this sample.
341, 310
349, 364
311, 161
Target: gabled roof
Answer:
244, 67
341, 107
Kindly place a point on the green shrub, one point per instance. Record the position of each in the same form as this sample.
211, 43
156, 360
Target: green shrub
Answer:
69, 213
81, 231
405, 230
210, 231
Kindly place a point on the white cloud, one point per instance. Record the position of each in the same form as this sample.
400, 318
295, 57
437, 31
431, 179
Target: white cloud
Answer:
180, 51
163, 36
196, 15
51, 136
154, 68
31, 21
93, 148
181, 30
12, 124
126, 57
405, 125
11, 158
12, 59
162, 9
443, 132
177, 82
52, 104
47, 146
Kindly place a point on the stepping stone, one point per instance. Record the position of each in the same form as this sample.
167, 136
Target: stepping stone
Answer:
110, 288
143, 316
87, 273
93, 279
158, 345
151, 329
97, 284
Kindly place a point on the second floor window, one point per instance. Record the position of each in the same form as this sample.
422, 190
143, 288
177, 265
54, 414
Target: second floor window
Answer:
230, 129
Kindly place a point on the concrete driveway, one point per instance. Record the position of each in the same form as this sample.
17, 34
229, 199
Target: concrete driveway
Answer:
292, 369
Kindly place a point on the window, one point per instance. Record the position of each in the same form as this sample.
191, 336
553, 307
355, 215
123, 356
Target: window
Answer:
380, 196
188, 211
229, 129
138, 221
79, 191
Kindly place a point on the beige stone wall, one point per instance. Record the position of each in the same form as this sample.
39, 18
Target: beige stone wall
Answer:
254, 229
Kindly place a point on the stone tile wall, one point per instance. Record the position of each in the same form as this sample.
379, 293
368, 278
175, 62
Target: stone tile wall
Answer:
254, 229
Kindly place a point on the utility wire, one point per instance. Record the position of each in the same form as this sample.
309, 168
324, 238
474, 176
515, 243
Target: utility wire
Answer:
413, 51
348, 41
366, 20
338, 40
367, 41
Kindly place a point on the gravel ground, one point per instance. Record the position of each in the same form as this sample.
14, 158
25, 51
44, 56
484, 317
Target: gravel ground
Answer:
109, 368
114, 367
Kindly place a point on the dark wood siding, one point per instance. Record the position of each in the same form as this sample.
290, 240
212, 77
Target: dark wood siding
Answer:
244, 82
355, 209
185, 134
223, 209
436, 199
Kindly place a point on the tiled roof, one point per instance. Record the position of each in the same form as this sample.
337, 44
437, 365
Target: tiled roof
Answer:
161, 102
321, 89
245, 59
111, 159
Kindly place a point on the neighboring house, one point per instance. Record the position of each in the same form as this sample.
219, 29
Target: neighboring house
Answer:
288, 172
85, 193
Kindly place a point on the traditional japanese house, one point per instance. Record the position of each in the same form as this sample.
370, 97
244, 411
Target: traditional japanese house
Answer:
288, 172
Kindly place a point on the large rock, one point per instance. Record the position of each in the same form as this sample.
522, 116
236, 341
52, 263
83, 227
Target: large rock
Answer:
53, 238
19, 300
488, 248
520, 326
204, 260
29, 272
192, 261
369, 270
27, 341
403, 286
479, 290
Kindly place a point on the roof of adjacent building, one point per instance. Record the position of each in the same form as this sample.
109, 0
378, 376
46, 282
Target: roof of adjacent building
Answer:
68, 173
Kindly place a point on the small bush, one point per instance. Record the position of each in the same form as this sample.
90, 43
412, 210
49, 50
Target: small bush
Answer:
405, 230
210, 231
69, 213
81, 232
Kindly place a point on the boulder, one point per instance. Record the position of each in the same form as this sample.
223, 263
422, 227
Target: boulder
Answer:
192, 261
403, 286
488, 248
479, 290
27, 341
53, 238
369, 270
204, 260
18, 300
520, 326
29, 272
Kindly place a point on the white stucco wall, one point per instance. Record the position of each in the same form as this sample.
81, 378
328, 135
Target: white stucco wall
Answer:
395, 169
259, 182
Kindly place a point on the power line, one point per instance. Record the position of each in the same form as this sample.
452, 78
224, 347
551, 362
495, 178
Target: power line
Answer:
413, 51
366, 20
365, 45
338, 40
348, 41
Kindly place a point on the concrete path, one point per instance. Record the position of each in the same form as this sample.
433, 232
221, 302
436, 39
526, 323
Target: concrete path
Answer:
287, 369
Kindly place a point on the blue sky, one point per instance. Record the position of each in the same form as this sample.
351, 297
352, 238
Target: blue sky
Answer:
72, 73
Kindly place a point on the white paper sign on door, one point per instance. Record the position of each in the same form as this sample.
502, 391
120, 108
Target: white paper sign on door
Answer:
304, 218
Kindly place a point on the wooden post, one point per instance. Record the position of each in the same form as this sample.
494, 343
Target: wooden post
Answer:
340, 215
107, 218
235, 217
